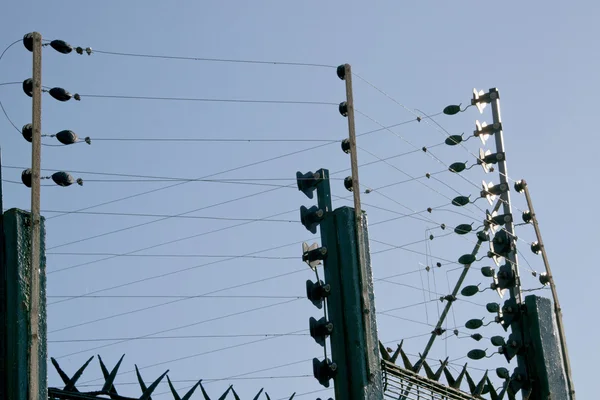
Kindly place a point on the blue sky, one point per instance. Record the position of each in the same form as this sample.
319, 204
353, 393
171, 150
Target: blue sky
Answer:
424, 56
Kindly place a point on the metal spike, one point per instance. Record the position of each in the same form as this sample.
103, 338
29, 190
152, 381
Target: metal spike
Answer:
141, 381
472, 386
438, 373
173, 391
151, 388
397, 352
405, 360
203, 391
224, 395
110, 378
428, 370
65, 378
235, 395
481, 385
450, 379
187, 395
293, 395
258, 394
384, 353
190, 392
267, 394
492, 390
459, 379
70, 382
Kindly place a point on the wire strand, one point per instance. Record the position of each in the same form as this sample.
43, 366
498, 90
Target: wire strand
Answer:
199, 99
223, 60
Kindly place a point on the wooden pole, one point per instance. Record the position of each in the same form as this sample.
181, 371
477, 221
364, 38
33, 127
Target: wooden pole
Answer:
36, 150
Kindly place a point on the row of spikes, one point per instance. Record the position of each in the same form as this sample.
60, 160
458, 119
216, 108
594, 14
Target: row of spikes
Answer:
70, 391
483, 387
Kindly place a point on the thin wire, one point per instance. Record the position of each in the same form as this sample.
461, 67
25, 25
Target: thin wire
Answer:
144, 215
141, 55
206, 380
205, 140
412, 112
196, 355
10, 83
175, 337
163, 244
168, 217
164, 218
405, 181
1, 105
109, 96
197, 296
161, 304
155, 177
405, 173
403, 247
409, 306
246, 374
176, 255
203, 177
424, 294
220, 317
223, 172
174, 272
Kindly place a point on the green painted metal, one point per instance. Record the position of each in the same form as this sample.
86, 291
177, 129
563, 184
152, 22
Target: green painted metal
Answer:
15, 293
547, 373
361, 386
335, 301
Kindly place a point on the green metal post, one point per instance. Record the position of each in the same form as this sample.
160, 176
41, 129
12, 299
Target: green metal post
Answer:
546, 369
15, 292
365, 380
335, 301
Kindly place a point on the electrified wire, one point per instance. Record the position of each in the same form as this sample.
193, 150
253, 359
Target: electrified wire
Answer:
223, 60
114, 339
198, 99
2, 105
144, 215
197, 355
167, 178
149, 278
223, 172
220, 317
176, 255
168, 217
197, 296
215, 140
203, 177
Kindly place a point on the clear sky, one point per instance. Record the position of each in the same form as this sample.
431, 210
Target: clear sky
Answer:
424, 55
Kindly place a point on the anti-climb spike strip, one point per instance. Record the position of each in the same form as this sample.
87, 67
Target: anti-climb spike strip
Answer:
479, 388
70, 391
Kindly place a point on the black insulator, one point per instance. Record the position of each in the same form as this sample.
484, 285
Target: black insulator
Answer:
67, 137
341, 72
61, 46
28, 41
27, 132
28, 87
